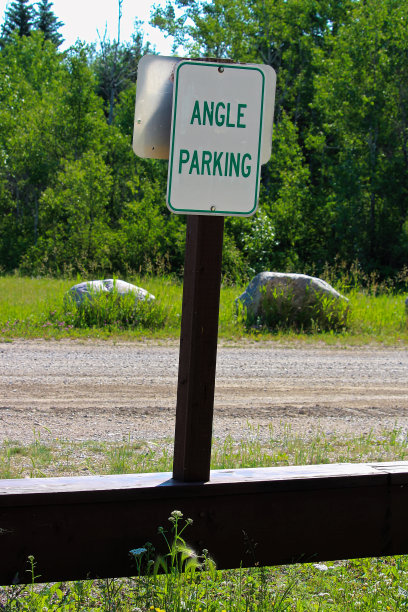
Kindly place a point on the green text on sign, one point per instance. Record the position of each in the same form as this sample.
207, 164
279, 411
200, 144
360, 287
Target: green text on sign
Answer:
213, 163
220, 114
216, 139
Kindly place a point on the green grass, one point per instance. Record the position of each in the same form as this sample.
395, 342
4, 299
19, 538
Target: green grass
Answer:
34, 308
66, 458
362, 584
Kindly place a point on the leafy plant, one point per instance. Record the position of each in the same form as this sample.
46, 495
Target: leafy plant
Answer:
260, 244
173, 573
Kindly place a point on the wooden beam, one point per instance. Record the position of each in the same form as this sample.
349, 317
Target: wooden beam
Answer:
198, 348
84, 527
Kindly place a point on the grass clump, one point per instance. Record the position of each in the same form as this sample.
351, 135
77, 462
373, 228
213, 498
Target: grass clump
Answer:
112, 311
280, 310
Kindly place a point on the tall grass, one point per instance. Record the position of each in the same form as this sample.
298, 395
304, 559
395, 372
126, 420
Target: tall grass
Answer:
34, 308
377, 314
112, 311
67, 458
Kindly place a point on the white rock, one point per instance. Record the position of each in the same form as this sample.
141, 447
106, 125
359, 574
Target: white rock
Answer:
87, 290
303, 290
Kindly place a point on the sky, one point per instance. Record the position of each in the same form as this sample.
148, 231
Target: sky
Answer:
84, 18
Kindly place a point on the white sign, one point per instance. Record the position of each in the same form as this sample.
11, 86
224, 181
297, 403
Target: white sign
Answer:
216, 137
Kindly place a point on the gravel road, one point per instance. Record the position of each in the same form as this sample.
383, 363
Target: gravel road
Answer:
101, 390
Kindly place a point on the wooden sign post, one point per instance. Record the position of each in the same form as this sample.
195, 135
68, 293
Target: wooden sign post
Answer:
198, 348
214, 170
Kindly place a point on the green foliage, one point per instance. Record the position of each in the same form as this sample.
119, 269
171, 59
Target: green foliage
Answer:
115, 68
84, 129
42, 122
363, 134
336, 184
179, 564
73, 219
260, 244
358, 584
287, 199
151, 240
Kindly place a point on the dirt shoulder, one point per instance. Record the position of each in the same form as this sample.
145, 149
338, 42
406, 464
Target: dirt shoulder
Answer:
101, 390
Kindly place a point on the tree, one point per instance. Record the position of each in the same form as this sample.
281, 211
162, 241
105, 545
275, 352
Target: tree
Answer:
49, 113
84, 127
18, 18
30, 77
362, 96
48, 23
116, 66
73, 218
284, 35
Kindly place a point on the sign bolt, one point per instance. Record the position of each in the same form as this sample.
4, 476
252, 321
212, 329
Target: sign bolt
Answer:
220, 69
212, 208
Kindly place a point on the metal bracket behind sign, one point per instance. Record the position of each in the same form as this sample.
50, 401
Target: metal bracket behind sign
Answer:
154, 103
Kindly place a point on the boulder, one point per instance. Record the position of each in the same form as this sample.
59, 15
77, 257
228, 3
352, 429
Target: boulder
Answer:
289, 299
86, 290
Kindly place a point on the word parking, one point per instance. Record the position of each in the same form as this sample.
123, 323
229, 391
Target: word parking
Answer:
215, 163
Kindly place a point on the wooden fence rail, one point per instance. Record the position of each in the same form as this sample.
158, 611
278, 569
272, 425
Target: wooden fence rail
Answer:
84, 527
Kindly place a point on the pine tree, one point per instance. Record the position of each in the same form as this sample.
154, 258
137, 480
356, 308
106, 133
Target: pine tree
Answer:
18, 18
47, 22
